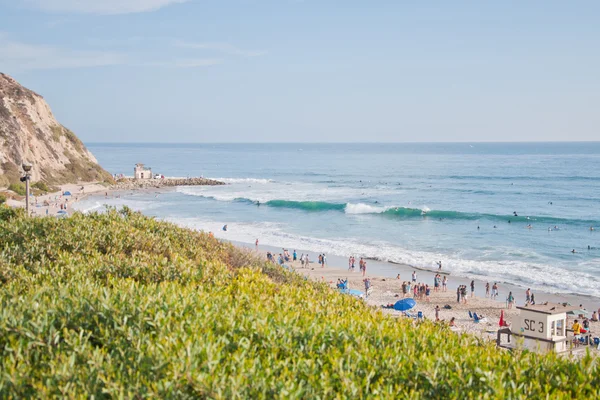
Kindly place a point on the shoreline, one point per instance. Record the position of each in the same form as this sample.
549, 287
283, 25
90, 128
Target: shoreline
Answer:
387, 270
387, 290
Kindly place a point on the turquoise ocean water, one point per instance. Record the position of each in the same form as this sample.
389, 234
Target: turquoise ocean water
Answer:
408, 203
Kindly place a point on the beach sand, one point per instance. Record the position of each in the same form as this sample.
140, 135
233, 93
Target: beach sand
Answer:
388, 290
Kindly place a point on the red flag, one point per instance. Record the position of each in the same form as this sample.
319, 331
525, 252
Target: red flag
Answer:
501, 323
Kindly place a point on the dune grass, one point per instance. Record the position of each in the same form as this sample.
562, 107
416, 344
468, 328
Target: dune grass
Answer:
120, 305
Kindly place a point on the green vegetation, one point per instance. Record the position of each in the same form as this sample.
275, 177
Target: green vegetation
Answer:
41, 186
121, 305
18, 188
2, 198
57, 132
10, 174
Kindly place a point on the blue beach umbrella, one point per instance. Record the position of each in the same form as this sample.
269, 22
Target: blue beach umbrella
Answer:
352, 292
404, 304
67, 193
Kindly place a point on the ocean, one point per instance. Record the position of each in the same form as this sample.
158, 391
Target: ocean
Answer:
408, 203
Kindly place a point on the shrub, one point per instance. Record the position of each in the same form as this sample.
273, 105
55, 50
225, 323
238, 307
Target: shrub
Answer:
120, 305
18, 188
2, 198
41, 186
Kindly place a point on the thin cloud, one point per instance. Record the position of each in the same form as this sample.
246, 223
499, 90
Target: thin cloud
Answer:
102, 7
184, 63
224, 48
18, 56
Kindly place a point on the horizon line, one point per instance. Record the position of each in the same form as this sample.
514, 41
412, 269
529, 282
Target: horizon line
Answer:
415, 142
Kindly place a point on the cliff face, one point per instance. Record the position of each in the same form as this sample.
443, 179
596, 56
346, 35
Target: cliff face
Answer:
29, 132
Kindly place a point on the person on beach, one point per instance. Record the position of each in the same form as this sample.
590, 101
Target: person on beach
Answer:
527, 296
398, 276
452, 322
576, 331
350, 263
256, 244
495, 291
414, 276
487, 289
416, 292
427, 292
458, 294
437, 313
445, 284
295, 255
510, 300
324, 259
463, 294
439, 263
532, 299
594, 316
364, 269
473, 288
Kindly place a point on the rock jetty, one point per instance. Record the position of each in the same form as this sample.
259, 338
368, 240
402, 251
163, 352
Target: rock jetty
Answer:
129, 183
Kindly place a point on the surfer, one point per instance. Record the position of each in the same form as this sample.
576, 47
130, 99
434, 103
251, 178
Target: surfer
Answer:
225, 227
573, 251
439, 263
591, 228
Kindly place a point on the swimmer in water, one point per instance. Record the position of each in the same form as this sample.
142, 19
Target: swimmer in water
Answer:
509, 221
573, 251
515, 213
477, 227
258, 204
495, 227
225, 227
591, 228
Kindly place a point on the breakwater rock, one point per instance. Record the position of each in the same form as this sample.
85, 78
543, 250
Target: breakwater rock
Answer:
129, 183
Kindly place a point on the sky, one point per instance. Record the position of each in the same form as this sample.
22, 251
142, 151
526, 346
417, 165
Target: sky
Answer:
310, 70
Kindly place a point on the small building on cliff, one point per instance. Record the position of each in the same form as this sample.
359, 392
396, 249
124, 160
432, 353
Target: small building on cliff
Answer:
142, 172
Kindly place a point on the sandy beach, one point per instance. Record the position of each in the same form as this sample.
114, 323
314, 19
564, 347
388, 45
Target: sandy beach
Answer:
386, 290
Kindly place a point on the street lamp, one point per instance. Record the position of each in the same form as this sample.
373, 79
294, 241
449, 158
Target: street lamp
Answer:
27, 168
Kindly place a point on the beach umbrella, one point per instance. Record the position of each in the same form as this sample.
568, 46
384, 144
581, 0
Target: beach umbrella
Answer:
577, 312
67, 193
404, 304
352, 292
501, 323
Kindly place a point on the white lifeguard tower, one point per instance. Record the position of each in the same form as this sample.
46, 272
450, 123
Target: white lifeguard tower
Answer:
142, 172
540, 327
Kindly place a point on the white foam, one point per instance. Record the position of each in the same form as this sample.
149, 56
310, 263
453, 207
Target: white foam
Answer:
362, 208
244, 180
532, 274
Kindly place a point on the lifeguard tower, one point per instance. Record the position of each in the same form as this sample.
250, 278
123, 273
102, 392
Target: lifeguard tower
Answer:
540, 327
142, 172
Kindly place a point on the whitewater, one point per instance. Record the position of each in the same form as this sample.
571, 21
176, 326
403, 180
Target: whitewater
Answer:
414, 204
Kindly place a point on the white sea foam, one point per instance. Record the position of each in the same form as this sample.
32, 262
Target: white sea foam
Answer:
244, 180
362, 208
523, 273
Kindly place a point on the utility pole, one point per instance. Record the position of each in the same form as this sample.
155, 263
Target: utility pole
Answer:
27, 168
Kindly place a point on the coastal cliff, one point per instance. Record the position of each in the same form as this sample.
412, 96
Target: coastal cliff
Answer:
29, 132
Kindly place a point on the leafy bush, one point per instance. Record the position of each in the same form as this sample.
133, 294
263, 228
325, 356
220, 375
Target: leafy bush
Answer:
18, 188
121, 305
2, 198
41, 186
